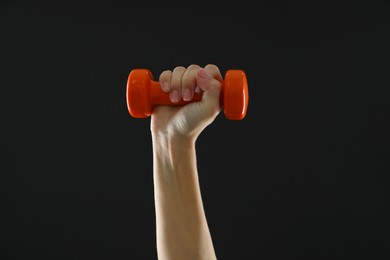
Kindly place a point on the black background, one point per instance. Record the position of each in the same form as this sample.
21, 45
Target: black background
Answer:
302, 176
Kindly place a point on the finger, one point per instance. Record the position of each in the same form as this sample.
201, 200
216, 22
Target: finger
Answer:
214, 71
176, 80
165, 80
189, 82
210, 86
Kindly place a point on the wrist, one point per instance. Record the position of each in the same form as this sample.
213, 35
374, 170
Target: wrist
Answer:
167, 142
173, 152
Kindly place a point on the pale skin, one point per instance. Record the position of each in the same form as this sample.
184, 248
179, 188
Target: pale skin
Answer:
181, 226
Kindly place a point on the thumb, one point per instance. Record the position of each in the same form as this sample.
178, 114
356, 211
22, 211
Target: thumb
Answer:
210, 86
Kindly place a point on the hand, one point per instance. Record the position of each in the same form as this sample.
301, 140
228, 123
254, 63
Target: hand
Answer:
188, 120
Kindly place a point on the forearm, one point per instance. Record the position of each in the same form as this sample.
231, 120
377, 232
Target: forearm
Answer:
182, 230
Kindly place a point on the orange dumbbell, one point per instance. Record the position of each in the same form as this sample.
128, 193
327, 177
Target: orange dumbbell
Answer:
143, 93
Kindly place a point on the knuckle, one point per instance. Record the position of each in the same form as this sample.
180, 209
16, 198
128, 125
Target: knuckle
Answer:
193, 66
179, 68
212, 67
165, 75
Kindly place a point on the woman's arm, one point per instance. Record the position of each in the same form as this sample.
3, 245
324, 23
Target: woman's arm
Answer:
182, 231
181, 226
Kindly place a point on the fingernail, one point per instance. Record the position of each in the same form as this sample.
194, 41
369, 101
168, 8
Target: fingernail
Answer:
174, 96
187, 95
165, 87
203, 74
197, 89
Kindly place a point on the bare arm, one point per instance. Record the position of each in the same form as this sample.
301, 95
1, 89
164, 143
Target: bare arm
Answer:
181, 225
182, 231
